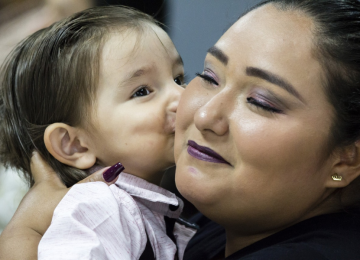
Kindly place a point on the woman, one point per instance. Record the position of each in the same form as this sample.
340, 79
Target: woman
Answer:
267, 137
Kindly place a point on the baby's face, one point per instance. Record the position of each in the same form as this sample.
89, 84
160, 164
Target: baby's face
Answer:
140, 83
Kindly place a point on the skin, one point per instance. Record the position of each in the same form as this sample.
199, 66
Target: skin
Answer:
276, 159
67, 7
139, 90
275, 140
21, 237
133, 120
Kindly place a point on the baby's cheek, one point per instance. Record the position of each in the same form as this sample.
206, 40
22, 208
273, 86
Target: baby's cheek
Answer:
147, 124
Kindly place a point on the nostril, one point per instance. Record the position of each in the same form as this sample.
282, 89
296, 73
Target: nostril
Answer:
212, 119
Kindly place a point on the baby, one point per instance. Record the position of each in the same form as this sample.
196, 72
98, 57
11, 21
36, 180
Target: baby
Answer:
96, 88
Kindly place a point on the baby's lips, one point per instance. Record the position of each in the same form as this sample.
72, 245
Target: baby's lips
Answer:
170, 124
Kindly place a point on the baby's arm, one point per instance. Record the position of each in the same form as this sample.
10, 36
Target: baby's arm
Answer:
94, 221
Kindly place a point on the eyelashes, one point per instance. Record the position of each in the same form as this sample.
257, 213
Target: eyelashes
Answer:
259, 104
263, 106
180, 80
207, 78
145, 90
141, 92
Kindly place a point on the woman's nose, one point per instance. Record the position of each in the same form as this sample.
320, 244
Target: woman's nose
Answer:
212, 116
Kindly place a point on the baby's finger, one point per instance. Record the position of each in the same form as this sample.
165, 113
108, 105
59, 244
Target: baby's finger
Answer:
42, 171
108, 175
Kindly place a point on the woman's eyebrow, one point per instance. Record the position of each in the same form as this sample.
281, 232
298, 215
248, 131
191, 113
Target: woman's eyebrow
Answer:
219, 54
274, 79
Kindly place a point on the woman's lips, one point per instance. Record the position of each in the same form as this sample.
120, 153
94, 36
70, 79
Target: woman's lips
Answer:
204, 153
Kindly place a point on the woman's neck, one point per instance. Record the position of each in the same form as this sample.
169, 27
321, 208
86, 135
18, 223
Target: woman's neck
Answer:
236, 241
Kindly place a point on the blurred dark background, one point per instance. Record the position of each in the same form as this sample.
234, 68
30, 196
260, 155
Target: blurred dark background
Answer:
194, 26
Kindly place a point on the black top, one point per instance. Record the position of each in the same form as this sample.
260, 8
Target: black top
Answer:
332, 237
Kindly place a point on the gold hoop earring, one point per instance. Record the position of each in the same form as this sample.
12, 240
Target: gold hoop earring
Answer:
336, 177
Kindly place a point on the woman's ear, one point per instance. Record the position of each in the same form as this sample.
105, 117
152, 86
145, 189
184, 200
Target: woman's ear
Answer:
346, 167
67, 145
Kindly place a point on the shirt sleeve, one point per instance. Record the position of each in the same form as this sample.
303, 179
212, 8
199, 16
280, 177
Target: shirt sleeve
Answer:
94, 221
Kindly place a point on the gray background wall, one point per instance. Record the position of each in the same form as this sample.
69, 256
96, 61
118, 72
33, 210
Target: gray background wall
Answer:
196, 25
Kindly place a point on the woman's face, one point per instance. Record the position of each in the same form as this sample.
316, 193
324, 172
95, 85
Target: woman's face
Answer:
260, 106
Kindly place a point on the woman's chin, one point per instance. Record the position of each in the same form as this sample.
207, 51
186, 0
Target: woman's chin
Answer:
193, 186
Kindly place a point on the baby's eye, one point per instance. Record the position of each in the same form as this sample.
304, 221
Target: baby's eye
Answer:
179, 80
144, 91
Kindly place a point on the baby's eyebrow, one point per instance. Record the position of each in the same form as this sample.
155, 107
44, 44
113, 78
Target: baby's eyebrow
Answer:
138, 72
179, 61
147, 69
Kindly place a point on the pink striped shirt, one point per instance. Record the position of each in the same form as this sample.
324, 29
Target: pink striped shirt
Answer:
96, 221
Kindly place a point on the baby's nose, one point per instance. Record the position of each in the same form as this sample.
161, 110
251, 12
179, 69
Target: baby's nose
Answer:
175, 98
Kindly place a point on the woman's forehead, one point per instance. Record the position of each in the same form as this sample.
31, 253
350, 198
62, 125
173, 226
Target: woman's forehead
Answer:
271, 25
277, 41
270, 38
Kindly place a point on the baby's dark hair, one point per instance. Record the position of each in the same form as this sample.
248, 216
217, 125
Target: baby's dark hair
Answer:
51, 76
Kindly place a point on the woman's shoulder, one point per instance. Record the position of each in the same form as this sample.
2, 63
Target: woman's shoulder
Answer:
331, 236
294, 251
208, 242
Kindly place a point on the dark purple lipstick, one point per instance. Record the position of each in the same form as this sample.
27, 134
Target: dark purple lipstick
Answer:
204, 153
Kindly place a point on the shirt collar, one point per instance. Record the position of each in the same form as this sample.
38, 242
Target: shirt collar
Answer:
153, 196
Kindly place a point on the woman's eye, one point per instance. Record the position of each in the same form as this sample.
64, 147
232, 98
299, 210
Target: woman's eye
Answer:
141, 92
263, 106
207, 78
179, 80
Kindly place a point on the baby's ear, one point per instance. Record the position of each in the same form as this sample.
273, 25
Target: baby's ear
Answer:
347, 166
67, 144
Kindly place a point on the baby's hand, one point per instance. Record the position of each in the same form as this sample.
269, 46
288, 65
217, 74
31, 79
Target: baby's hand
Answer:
21, 237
